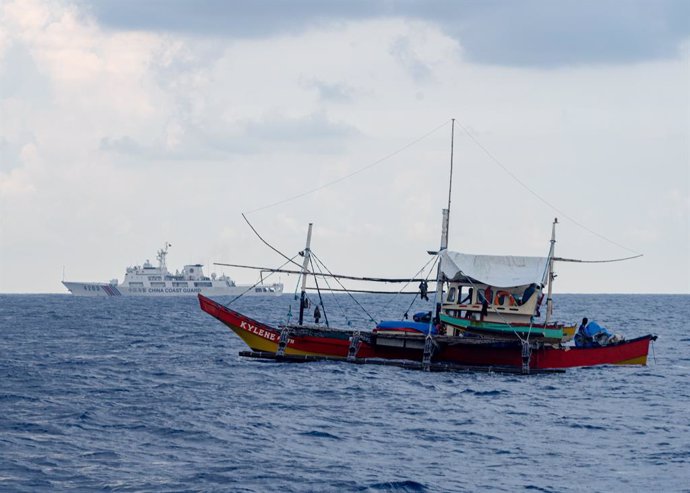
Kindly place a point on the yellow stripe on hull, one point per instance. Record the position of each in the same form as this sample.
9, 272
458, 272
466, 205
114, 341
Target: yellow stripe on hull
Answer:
258, 343
640, 360
568, 332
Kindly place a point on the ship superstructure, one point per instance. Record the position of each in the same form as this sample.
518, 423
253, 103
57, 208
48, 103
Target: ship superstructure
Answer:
149, 280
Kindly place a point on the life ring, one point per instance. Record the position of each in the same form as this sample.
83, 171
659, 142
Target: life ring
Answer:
504, 294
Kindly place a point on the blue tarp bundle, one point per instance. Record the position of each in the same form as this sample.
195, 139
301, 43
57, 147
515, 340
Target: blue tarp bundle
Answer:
588, 336
405, 324
594, 329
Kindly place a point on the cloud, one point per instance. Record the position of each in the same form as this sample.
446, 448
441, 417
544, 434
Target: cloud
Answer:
123, 139
539, 33
333, 92
403, 51
316, 127
545, 33
313, 133
309, 134
124, 145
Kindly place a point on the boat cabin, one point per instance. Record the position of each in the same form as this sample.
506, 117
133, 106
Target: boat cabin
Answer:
514, 304
492, 289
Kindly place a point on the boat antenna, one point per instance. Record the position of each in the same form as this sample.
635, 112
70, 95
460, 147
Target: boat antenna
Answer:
450, 181
306, 254
444, 229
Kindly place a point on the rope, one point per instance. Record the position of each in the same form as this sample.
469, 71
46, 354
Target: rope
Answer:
356, 172
254, 285
300, 272
289, 260
561, 259
335, 298
325, 317
539, 197
435, 258
341, 285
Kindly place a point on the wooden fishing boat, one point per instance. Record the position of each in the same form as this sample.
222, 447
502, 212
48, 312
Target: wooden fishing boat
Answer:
486, 316
294, 343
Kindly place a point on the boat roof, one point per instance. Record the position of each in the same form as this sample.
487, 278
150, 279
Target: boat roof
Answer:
502, 271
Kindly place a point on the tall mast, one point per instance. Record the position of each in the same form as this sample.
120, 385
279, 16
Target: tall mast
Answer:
305, 264
444, 226
450, 180
549, 301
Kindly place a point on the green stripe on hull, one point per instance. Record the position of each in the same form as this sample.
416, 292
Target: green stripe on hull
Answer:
501, 328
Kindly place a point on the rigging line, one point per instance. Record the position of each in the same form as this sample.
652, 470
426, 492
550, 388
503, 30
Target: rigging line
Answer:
335, 298
539, 197
370, 291
341, 276
289, 260
432, 259
561, 259
413, 277
254, 285
356, 172
318, 290
435, 258
297, 287
341, 285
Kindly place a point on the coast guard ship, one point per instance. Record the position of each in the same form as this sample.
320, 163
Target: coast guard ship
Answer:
147, 280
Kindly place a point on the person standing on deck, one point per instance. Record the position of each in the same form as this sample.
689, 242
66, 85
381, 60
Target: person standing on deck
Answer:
317, 314
424, 290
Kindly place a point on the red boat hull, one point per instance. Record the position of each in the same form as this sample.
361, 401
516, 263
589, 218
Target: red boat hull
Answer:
317, 341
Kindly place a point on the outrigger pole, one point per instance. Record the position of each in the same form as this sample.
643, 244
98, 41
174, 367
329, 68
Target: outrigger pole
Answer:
306, 254
322, 274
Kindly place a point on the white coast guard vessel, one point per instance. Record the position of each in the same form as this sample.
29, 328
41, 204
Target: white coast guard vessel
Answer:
147, 280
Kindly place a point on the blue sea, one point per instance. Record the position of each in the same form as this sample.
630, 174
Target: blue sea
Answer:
126, 394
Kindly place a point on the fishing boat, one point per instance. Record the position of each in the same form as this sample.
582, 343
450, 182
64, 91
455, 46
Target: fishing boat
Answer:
444, 352
486, 317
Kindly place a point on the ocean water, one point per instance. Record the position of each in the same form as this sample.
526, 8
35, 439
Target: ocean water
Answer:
126, 394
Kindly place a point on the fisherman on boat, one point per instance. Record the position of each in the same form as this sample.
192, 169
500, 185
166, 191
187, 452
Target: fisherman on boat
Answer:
591, 334
424, 290
528, 293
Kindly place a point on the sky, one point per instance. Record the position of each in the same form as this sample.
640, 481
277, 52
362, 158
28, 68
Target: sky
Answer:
126, 124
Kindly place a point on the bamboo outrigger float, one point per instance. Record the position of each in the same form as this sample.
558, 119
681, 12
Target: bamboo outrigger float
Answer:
485, 320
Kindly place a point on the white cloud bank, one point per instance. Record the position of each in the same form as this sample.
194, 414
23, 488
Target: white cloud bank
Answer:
114, 141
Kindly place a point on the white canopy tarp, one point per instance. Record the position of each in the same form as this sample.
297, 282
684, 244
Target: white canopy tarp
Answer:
501, 271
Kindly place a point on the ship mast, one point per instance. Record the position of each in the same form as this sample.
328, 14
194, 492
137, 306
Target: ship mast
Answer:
444, 227
306, 254
161, 257
549, 301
